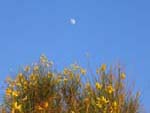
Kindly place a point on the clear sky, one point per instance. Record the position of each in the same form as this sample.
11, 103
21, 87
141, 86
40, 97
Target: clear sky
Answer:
110, 30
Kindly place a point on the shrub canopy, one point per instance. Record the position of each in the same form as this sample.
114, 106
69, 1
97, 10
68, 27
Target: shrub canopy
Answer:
41, 89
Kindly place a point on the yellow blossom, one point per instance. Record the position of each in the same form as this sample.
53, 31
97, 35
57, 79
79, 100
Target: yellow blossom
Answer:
111, 109
36, 68
58, 80
102, 100
20, 75
22, 80
17, 106
71, 75
49, 74
98, 85
83, 71
43, 59
65, 80
103, 67
25, 98
45, 104
25, 84
123, 76
99, 105
72, 112
18, 83
39, 108
66, 71
8, 91
32, 77
15, 93
110, 89
115, 104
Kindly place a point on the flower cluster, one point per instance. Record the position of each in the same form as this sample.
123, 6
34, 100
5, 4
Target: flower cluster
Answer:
41, 89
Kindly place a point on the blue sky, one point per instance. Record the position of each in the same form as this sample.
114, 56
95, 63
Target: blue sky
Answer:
110, 31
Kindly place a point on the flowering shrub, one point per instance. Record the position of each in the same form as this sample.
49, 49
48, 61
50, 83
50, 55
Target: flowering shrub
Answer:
41, 89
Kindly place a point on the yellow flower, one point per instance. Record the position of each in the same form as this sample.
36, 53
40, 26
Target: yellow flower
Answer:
123, 76
111, 109
102, 100
66, 71
43, 59
18, 83
25, 98
71, 75
103, 67
98, 85
115, 104
49, 74
20, 75
45, 104
110, 89
99, 105
25, 84
17, 106
8, 91
36, 68
83, 71
39, 108
72, 112
65, 80
32, 77
15, 93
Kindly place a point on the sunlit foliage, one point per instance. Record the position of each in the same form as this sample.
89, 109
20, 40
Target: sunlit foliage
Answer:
41, 89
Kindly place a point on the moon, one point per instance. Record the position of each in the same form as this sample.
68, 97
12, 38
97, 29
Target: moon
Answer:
72, 21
